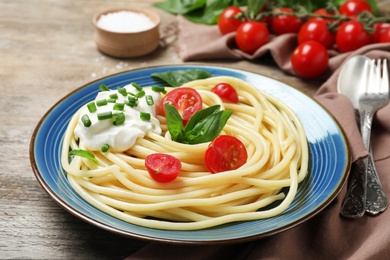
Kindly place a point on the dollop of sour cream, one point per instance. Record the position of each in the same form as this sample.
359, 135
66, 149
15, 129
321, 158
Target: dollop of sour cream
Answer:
119, 137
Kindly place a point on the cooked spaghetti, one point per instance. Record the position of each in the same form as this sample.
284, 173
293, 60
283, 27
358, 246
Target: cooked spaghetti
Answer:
277, 161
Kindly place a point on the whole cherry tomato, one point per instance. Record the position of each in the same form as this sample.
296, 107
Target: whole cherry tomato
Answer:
352, 8
316, 30
227, 22
225, 153
323, 12
226, 92
186, 100
379, 29
282, 23
310, 59
385, 37
351, 36
162, 167
251, 35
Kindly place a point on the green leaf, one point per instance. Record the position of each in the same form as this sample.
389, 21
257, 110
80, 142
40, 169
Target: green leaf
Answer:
208, 128
176, 78
254, 7
200, 115
85, 154
174, 122
180, 6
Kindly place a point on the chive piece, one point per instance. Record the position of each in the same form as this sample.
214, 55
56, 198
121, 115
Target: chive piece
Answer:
104, 115
91, 107
86, 121
119, 106
122, 91
144, 116
114, 96
149, 100
101, 102
105, 148
137, 87
119, 119
132, 101
159, 89
103, 87
140, 94
111, 100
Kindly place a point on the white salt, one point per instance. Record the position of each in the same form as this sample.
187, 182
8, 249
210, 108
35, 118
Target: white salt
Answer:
125, 21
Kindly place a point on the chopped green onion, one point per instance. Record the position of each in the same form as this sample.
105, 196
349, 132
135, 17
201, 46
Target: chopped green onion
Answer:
114, 96
159, 89
132, 101
140, 94
119, 118
119, 106
104, 115
91, 107
111, 100
101, 102
122, 91
144, 116
105, 148
137, 87
86, 121
103, 87
149, 100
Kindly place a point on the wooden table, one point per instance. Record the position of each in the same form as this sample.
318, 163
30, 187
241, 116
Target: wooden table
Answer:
46, 51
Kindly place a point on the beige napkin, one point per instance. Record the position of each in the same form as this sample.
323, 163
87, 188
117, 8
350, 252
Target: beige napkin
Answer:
326, 235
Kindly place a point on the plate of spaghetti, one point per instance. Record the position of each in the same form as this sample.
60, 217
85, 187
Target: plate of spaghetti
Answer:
130, 153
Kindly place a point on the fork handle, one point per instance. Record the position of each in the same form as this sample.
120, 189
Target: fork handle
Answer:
376, 201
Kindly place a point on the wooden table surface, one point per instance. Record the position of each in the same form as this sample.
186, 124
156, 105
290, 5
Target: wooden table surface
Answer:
46, 51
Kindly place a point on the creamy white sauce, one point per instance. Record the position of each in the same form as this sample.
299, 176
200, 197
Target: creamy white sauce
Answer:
122, 137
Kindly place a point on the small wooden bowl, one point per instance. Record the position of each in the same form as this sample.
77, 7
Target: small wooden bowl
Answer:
127, 44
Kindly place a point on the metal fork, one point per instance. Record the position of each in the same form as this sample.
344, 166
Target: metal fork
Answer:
375, 97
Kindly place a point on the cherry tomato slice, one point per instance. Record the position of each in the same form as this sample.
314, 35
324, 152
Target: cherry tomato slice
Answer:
186, 100
162, 167
226, 92
225, 153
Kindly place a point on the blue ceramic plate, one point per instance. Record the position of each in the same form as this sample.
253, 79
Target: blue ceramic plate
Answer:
329, 161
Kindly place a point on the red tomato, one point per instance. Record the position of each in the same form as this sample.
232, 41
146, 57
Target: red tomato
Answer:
251, 35
379, 29
352, 8
226, 21
162, 167
226, 92
286, 23
323, 12
352, 36
316, 30
385, 37
225, 153
186, 100
310, 59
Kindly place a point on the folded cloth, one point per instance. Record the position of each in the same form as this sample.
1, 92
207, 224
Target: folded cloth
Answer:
326, 235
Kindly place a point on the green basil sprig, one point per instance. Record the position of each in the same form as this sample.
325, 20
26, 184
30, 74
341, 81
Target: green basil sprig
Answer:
204, 126
176, 78
85, 154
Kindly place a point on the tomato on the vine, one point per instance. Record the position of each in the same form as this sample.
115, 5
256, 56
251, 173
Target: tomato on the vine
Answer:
385, 37
251, 35
225, 153
162, 167
283, 23
186, 100
352, 8
226, 92
351, 36
316, 30
227, 21
323, 12
379, 29
310, 59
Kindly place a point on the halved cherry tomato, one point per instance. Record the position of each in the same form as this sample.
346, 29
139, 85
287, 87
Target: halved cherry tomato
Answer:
226, 92
227, 22
225, 153
352, 8
162, 167
186, 100
283, 23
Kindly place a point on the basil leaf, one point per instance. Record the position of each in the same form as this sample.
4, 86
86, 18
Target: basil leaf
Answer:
85, 154
176, 78
174, 122
180, 6
199, 115
208, 128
